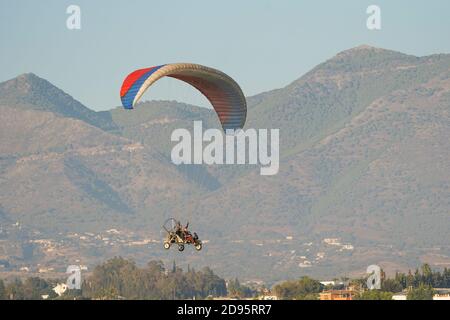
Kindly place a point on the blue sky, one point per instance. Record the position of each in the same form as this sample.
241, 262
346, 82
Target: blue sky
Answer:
262, 44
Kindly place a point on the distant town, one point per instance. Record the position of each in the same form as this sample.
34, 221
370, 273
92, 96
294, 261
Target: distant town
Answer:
121, 279
43, 261
37, 254
25, 252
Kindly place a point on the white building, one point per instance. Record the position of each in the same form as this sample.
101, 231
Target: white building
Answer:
442, 294
400, 296
269, 297
332, 241
60, 289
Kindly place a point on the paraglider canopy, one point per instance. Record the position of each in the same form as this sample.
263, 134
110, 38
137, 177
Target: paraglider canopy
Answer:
222, 91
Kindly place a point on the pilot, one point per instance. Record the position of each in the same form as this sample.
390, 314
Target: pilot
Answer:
179, 230
186, 233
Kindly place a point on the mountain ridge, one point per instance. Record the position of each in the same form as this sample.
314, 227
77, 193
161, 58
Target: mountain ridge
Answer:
28, 91
359, 133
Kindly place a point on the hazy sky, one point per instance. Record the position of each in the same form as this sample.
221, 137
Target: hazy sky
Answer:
262, 44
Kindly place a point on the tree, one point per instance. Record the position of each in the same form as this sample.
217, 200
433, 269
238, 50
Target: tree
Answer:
445, 278
299, 290
14, 290
238, 290
122, 278
34, 288
308, 286
174, 267
423, 292
409, 279
391, 285
2, 290
375, 295
402, 279
427, 274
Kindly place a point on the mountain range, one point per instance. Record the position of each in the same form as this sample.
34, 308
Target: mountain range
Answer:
364, 171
